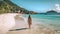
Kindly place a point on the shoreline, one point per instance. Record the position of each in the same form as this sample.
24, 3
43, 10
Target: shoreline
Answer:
21, 27
36, 29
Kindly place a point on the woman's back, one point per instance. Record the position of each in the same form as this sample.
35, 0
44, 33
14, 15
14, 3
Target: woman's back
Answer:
29, 21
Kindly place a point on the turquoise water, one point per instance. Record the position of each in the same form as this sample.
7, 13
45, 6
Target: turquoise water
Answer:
52, 21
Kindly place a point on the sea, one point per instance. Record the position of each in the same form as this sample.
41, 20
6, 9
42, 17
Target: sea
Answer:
51, 21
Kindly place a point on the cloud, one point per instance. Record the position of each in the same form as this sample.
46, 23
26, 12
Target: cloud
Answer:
57, 7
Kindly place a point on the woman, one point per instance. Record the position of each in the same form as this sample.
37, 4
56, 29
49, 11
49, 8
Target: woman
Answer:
29, 21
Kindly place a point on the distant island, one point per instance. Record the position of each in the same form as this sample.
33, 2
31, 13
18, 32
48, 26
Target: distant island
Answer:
51, 12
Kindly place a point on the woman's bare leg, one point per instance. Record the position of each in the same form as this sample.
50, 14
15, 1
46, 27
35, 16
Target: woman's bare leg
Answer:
29, 26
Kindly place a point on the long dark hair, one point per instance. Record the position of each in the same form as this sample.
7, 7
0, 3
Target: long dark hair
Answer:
29, 16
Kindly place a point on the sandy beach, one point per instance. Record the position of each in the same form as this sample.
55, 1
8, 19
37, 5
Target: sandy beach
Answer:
34, 30
21, 27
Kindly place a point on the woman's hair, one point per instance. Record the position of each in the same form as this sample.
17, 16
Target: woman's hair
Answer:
29, 16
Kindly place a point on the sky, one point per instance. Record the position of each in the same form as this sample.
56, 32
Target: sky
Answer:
39, 5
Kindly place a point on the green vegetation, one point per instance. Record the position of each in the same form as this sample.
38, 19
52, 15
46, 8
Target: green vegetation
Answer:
6, 6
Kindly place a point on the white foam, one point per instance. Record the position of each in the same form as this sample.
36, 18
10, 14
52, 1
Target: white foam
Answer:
7, 21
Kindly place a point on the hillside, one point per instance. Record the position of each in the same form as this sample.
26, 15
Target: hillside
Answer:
6, 6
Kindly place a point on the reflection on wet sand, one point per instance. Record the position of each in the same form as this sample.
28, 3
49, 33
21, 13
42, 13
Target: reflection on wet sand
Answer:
18, 29
34, 30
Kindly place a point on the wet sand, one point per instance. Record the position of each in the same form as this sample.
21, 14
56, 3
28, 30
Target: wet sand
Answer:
34, 30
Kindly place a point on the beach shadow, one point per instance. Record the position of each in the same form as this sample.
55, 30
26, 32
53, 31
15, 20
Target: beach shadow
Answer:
19, 29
